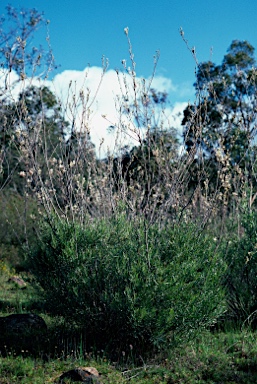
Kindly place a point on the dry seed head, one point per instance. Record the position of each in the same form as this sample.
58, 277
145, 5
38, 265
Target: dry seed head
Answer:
23, 76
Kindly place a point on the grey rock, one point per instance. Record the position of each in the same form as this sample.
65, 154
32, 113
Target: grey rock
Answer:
18, 281
87, 375
22, 323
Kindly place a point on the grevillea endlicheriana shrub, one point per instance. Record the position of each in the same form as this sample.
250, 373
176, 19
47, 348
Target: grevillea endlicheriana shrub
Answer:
128, 282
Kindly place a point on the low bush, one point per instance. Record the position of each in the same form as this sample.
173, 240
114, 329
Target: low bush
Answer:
127, 283
241, 276
18, 220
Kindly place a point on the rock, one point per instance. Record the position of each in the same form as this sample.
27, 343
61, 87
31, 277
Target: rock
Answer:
22, 323
24, 334
88, 375
18, 281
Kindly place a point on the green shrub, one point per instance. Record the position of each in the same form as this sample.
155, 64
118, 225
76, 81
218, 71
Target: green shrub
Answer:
18, 219
241, 276
127, 283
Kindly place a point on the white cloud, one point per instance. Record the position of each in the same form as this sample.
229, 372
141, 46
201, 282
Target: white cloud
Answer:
186, 90
98, 111
177, 113
163, 84
11, 86
94, 99
7, 78
105, 93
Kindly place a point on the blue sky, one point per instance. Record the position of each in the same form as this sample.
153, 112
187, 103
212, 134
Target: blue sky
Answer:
81, 32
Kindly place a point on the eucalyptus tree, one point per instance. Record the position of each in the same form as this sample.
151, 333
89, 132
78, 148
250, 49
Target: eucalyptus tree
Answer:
220, 128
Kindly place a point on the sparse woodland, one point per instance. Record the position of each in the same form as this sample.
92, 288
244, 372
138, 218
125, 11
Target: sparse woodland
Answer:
148, 247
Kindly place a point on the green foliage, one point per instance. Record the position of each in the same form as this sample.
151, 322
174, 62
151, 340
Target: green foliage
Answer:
127, 283
241, 276
18, 219
228, 358
220, 129
193, 269
147, 169
30, 134
17, 30
226, 109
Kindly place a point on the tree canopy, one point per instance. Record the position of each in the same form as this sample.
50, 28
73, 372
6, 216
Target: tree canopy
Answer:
220, 128
17, 52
